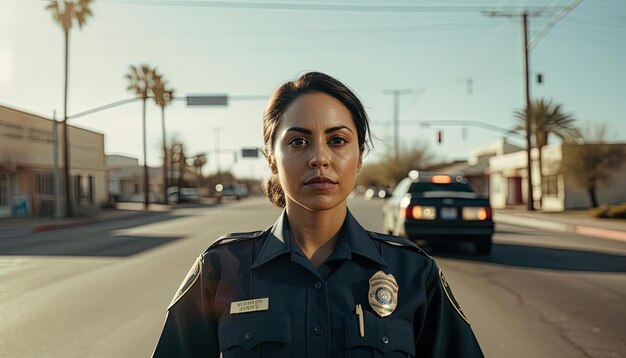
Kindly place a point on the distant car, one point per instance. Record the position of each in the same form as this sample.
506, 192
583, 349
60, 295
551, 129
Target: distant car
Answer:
237, 191
439, 209
187, 195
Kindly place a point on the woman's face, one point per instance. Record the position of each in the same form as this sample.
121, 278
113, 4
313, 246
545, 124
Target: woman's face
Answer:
316, 152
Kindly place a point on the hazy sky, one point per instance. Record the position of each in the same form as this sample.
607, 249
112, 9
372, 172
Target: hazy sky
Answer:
204, 48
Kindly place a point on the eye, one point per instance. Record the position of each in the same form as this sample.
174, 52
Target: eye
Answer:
338, 141
297, 142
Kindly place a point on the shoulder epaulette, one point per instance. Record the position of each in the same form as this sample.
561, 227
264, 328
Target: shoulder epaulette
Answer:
397, 241
237, 237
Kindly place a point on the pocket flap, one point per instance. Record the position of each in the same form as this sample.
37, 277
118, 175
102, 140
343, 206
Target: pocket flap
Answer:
247, 332
386, 334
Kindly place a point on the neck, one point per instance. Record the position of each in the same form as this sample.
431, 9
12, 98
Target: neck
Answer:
315, 232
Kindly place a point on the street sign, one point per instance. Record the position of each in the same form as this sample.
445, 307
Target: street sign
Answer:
216, 100
249, 153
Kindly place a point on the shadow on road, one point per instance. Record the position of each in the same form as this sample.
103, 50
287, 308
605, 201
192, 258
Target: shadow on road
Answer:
542, 257
96, 240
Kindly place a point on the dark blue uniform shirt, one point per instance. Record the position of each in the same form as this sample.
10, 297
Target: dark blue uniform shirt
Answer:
311, 311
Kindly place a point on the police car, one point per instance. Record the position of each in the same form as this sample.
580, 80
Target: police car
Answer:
439, 208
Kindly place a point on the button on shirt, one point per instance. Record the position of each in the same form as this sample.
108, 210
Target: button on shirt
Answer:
311, 311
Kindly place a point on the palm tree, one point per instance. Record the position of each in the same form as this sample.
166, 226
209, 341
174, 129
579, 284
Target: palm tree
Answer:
143, 80
545, 119
65, 13
163, 96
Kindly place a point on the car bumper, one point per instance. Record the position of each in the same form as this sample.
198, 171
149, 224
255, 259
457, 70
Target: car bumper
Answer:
477, 232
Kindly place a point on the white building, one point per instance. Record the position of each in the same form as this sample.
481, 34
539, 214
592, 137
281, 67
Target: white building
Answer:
560, 190
126, 180
29, 184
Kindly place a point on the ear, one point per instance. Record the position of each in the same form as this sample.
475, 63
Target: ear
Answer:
272, 164
359, 164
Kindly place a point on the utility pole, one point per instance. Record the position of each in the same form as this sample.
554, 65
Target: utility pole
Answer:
57, 182
529, 172
531, 199
217, 131
396, 104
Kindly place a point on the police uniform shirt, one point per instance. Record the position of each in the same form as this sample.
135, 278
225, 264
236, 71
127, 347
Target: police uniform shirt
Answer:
257, 295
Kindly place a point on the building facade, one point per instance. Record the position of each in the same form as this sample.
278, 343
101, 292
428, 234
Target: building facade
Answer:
562, 184
31, 184
126, 180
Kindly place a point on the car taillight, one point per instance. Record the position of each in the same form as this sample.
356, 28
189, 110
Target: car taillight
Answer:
476, 213
418, 212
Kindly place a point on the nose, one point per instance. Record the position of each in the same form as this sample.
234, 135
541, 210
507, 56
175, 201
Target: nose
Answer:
320, 157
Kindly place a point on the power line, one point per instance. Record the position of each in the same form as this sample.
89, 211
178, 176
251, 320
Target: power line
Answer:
555, 20
324, 7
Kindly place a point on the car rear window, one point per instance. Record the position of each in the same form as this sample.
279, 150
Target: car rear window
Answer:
423, 187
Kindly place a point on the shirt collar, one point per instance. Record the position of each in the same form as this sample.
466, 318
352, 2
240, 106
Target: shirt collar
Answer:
353, 239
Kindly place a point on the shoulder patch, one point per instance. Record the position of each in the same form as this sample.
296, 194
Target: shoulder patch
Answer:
397, 241
236, 237
189, 281
450, 296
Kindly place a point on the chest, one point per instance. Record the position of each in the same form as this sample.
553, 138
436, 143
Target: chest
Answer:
313, 312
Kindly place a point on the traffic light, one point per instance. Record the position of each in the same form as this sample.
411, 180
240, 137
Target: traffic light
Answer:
439, 136
540, 78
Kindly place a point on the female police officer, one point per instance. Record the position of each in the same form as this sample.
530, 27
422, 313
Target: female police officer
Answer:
315, 284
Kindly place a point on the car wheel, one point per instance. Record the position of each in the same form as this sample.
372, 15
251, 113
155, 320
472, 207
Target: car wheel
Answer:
483, 247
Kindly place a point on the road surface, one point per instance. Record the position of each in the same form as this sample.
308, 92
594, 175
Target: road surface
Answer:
101, 290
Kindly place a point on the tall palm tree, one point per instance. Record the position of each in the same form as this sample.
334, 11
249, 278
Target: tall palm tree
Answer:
163, 96
65, 13
547, 118
142, 81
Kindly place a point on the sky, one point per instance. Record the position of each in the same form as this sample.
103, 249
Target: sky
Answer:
210, 47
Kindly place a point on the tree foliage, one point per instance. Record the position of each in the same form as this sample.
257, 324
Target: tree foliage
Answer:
389, 170
65, 13
592, 163
143, 79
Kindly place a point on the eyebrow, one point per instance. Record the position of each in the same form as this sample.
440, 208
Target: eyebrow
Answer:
307, 131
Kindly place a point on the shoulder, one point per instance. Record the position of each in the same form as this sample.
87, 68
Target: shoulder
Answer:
238, 237
398, 242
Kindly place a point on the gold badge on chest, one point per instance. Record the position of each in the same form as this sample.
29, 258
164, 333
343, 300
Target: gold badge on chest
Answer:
383, 293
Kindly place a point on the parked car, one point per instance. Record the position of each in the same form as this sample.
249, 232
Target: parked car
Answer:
187, 195
237, 191
439, 209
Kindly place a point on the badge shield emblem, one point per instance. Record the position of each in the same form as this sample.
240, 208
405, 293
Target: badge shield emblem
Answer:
383, 293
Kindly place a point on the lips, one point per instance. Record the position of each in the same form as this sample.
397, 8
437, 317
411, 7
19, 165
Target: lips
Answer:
320, 182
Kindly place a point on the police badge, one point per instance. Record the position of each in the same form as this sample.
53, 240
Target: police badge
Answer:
383, 293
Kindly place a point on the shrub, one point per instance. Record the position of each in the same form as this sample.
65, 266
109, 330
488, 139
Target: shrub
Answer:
609, 211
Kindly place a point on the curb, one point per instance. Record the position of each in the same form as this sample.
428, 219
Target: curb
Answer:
561, 227
532, 222
50, 227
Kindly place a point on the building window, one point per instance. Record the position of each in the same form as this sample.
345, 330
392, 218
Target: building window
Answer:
44, 183
84, 190
551, 186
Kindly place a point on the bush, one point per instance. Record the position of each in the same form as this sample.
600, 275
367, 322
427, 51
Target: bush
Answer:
609, 211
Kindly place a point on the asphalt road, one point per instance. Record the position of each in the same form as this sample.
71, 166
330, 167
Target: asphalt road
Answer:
101, 290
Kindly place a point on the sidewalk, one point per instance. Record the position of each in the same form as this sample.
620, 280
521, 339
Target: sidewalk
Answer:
578, 222
20, 226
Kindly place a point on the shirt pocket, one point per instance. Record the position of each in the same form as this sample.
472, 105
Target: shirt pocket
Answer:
255, 336
383, 337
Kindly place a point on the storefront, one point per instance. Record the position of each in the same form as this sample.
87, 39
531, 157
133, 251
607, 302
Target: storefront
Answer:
31, 184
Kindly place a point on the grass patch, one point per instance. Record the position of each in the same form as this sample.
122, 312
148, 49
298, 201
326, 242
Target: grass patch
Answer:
609, 211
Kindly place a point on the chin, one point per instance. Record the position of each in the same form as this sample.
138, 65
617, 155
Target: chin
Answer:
320, 203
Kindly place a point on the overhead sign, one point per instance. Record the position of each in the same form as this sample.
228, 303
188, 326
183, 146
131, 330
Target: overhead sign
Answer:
249, 153
216, 100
